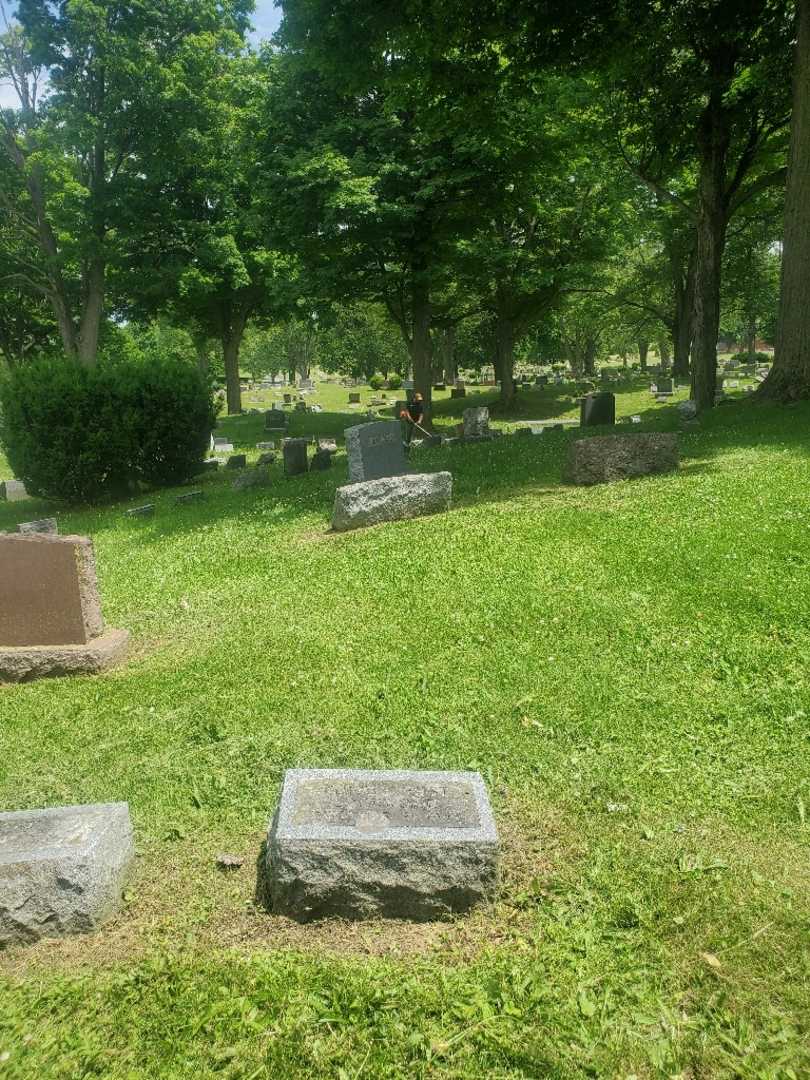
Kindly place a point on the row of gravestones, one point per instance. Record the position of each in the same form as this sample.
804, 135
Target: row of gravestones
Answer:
352, 843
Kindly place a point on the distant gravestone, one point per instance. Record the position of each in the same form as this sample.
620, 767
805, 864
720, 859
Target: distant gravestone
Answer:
189, 497
354, 399
663, 385
541, 380
476, 422
147, 510
391, 498
50, 613
458, 392
327, 444
265, 445
222, 446
62, 870
598, 408
13, 491
287, 399
44, 525
440, 386
375, 450
358, 843
616, 457
321, 460
236, 461
275, 420
295, 456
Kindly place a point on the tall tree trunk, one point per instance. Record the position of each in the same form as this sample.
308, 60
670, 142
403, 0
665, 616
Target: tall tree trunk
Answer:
663, 353
751, 340
683, 328
589, 357
231, 343
203, 356
505, 359
420, 348
713, 143
789, 379
91, 316
643, 349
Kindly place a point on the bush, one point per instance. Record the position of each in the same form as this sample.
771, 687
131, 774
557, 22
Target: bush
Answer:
376, 382
394, 382
757, 358
84, 434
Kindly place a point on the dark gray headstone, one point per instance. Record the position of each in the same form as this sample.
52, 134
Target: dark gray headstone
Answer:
458, 392
236, 461
295, 456
598, 408
43, 525
275, 419
321, 459
375, 450
354, 399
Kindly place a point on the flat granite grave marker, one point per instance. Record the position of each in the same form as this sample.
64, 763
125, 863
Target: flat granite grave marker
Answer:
359, 843
375, 450
392, 498
616, 457
50, 613
43, 525
295, 456
62, 870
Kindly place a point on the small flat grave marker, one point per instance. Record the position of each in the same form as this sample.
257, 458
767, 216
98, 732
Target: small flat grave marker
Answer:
43, 525
188, 497
147, 510
359, 843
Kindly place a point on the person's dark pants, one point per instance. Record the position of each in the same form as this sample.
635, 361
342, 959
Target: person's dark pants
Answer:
408, 429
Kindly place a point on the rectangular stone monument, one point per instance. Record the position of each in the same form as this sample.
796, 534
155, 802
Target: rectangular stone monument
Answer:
375, 450
359, 843
616, 457
222, 446
354, 399
50, 613
275, 420
43, 525
295, 456
13, 491
457, 392
596, 409
392, 498
62, 870
663, 386
476, 422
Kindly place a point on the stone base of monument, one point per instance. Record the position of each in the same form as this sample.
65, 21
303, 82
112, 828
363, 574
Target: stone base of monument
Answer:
616, 457
356, 844
392, 498
28, 662
62, 870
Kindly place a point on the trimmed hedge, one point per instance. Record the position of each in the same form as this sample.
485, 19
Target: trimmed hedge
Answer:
85, 434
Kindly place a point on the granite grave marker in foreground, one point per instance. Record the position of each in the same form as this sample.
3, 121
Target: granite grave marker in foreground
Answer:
358, 843
50, 613
375, 450
391, 498
617, 457
62, 870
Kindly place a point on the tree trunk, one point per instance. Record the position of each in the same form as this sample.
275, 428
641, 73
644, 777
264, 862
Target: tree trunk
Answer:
751, 340
505, 359
663, 353
589, 357
643, 349
91, 316
203, 356
713, 144
419, 344
231, 344
683, 329
789, 379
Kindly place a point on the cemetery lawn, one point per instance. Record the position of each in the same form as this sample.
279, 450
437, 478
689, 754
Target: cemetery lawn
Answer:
627, 666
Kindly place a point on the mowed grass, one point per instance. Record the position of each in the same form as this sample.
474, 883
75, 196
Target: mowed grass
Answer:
626, 665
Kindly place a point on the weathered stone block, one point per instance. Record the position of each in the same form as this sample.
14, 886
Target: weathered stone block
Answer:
391, 498
615, 457
295, 456
357, 843
62, 870
43, 525
236, 461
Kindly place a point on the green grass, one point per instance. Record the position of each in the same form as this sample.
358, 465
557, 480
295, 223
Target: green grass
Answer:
628, 668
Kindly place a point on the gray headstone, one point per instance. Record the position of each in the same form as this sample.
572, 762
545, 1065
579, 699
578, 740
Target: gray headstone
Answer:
598, 408
13, 490
359, 843
265, 446
391, 499
44, 525
295, 456
354, 399
267, 458
687, 410
476, 421
616, 457
275, 420
663, 385
375, 450
223, 445
62, 870
236, 461
321, 460
458, 392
